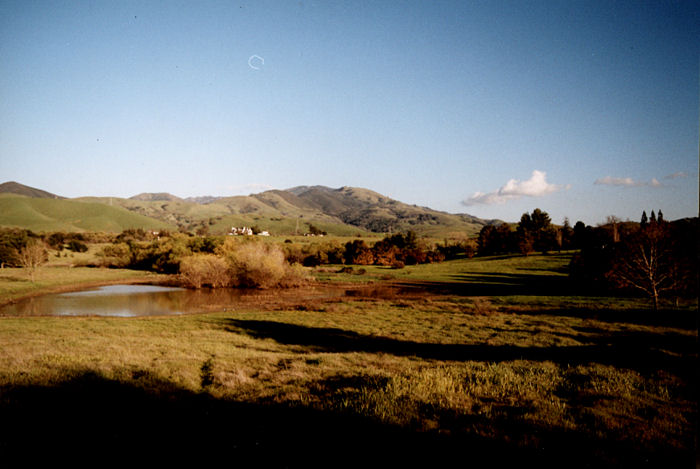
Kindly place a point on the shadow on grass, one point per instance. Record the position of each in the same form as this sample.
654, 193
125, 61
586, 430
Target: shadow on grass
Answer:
681, 319
640, 351
89, 419
90, 416
499, 284
92, 419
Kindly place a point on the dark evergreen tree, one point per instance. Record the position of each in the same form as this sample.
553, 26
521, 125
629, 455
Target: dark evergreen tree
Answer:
535, 232
580, 235
645, 220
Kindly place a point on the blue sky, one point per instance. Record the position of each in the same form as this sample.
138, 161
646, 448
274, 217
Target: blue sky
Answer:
584, 109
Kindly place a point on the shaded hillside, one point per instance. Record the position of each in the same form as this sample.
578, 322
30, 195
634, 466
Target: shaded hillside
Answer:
42, 214
13, 187
372, 211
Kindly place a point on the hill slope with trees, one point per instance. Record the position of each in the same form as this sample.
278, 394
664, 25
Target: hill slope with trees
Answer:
300, 210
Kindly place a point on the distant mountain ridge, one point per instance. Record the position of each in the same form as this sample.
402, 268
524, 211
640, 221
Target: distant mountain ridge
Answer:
342, 211
202, 199
12, 187
155, 196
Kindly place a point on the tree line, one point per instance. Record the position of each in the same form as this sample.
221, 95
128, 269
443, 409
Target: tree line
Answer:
534, 233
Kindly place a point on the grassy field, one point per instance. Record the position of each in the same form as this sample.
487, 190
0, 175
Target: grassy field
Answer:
477, 362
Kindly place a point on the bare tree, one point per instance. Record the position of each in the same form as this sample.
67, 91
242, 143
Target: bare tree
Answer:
645, 263
614, 221
32, 255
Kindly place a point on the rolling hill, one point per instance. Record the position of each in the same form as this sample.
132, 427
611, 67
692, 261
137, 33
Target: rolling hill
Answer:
374, 212
346, 211
13, 187
155, 197
43, 214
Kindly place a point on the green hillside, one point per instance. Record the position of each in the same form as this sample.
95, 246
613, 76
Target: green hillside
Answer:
284, 226
41, 214
12, 187
268, 211
346, 211
173, 212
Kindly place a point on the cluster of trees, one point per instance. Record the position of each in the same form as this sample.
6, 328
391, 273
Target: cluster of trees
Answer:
135, 249
653, 257
397, 251
23, 248
534, 232
204, 261
11, 242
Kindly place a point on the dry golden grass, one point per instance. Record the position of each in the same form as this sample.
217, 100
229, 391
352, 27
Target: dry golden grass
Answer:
413, 378
526, 379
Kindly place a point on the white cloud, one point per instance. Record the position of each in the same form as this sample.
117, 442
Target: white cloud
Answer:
536, 186
677, 175
611, 181
626, 182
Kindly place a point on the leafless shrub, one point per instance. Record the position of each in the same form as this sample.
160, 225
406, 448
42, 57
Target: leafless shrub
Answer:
202, 270
33, 255
255, 264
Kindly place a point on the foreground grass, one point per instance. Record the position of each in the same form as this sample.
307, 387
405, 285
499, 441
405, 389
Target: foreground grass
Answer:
492, 362
414, 380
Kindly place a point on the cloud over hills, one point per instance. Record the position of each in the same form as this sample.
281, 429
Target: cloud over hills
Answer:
626, 182
536, 186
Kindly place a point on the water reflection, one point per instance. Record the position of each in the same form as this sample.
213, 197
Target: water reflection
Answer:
151, 300
113, 300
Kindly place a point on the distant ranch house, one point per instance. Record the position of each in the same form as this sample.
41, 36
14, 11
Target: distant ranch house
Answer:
246, 231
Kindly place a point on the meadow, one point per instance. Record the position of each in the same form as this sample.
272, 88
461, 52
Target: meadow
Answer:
491, 361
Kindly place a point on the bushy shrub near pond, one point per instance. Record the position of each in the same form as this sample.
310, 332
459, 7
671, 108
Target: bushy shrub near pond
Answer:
255, 264
204, 270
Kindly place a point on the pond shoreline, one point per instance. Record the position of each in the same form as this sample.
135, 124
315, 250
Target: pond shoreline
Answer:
48, 290
311, 295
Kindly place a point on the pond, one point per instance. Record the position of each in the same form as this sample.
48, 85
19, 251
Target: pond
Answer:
152, 300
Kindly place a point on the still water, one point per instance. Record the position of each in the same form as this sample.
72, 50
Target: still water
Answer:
125, 301
113, 300
152, 300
